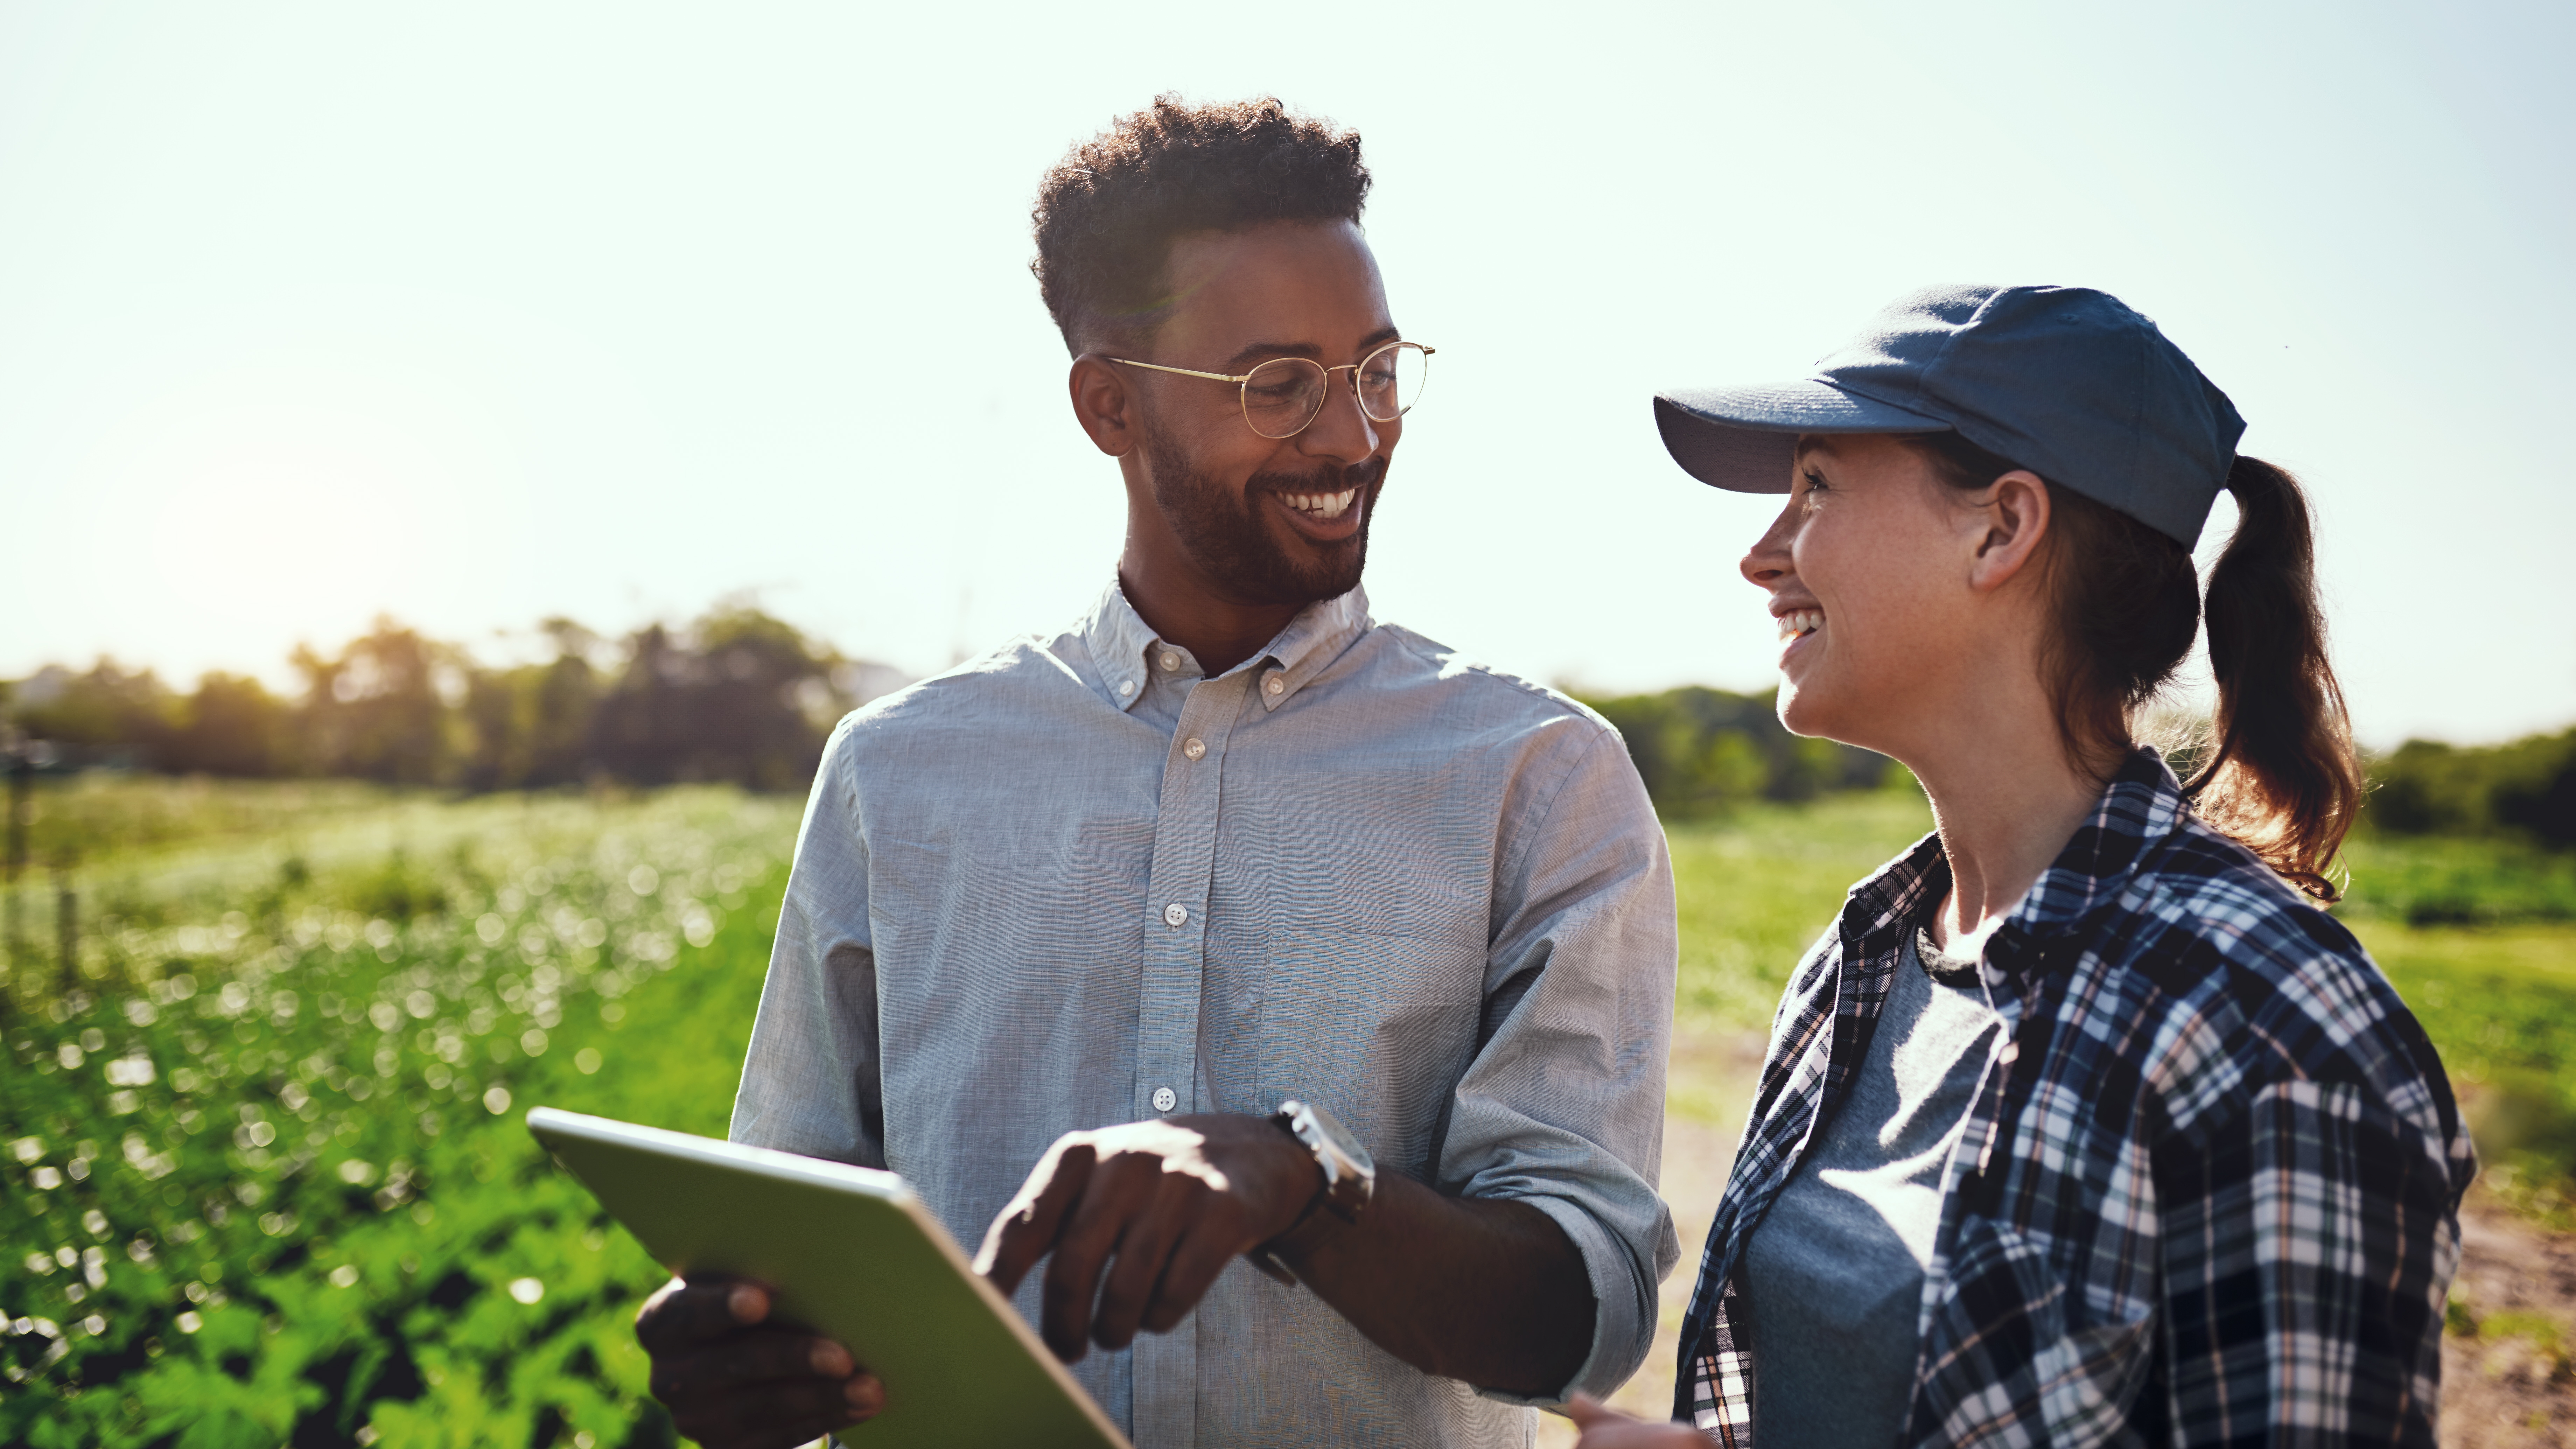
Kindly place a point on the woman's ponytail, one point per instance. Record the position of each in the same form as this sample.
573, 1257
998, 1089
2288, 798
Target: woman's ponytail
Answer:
2280, 773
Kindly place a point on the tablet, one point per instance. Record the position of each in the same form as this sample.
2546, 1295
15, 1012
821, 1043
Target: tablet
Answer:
852, 1254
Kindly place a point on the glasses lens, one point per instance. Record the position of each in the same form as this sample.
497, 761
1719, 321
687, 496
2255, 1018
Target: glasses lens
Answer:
1391, 380
1281, 396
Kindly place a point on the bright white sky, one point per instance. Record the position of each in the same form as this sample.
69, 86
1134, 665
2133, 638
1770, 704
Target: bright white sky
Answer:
476, 314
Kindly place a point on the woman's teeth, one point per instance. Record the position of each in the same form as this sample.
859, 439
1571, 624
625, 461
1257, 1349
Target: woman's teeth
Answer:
1321, 505
1801, 621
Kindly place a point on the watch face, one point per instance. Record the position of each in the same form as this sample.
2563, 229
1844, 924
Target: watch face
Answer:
1341, 1140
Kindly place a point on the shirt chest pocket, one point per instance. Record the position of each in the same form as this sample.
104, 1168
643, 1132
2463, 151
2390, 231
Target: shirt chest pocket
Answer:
1374, 1029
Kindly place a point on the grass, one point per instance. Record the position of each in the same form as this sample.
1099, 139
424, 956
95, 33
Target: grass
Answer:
81, 819
262, 1176
1756, 888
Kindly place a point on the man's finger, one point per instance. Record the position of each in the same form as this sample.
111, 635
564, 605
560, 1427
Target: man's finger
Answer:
1026, 1229
755, 1356
1587, 1411
682, 1313
1115, 1195
782, 1417
1196, 1261
1143, 1249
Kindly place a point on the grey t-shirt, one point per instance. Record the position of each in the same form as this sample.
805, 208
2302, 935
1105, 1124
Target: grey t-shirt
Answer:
1833, 1278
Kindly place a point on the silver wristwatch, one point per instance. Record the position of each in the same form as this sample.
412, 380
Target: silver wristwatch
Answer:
1350, 1174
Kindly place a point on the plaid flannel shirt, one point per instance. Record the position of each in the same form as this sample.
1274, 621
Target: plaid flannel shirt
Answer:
2207, 1192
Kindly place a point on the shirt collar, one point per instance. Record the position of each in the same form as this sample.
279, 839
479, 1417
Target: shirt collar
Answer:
2141, 806
1120, 641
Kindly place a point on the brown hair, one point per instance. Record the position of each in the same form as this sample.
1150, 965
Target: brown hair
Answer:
2278, 771
1108, 212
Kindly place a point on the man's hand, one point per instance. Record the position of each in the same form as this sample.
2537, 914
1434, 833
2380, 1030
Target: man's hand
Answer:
733, 1380
1172, 1201
1606, 1428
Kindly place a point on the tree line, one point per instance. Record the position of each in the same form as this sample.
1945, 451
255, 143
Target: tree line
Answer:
1702, 751
736, 695
2524, 789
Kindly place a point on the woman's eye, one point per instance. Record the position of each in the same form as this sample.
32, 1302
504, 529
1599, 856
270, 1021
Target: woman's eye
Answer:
1814, 481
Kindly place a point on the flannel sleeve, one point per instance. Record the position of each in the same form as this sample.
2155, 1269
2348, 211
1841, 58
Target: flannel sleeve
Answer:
2308, 1247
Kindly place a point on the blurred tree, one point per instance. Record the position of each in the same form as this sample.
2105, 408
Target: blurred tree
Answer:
1700, 749
384, 709
107, 708
532, 725
2525, 787
232, 725
736, 698
2538, 791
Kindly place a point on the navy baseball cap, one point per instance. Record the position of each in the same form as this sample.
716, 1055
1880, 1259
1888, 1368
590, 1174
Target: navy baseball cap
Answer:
2065, 381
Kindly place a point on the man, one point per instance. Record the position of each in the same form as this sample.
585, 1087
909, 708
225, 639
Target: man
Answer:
1226, 845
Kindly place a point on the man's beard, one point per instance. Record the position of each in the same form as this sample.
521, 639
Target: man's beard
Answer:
1225, 535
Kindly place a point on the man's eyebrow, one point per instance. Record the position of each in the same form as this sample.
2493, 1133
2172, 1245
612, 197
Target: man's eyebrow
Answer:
1264, 351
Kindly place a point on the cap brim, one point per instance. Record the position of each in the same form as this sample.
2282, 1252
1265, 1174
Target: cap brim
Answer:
1746, 438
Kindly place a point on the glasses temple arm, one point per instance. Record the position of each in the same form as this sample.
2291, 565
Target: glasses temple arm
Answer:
1182, 371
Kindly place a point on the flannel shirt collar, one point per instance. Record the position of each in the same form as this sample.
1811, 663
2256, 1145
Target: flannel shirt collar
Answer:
2139, 810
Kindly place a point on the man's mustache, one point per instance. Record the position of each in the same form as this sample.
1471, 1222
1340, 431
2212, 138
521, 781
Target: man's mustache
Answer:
1329, 479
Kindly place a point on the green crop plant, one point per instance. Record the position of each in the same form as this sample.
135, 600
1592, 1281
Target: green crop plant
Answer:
265, 1171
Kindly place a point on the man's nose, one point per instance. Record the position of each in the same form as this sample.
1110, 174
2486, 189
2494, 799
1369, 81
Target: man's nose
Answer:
1342, 431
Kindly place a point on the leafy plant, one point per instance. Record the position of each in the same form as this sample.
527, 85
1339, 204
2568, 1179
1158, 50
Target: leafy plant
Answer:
265, 1175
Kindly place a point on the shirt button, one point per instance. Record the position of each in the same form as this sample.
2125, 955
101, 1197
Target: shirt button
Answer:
1171, 660
1275, 685
1126, 686
1196, 749
1165, 1099
1176, 914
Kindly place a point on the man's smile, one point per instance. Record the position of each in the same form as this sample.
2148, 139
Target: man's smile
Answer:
1320, 515
1320, 505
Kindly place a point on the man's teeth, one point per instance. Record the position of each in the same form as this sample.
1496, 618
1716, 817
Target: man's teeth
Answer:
1801, 621
1321, 505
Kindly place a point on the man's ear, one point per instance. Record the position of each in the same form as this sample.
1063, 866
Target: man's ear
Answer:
1103, 403
2016, 518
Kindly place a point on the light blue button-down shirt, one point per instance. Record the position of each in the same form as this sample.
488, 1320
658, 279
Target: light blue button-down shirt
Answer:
1075, 883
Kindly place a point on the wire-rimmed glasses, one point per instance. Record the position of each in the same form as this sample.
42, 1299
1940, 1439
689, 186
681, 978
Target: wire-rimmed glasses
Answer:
1284, 395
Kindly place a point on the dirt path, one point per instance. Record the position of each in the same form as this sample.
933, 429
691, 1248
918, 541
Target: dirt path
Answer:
2508, 1364
2506, 1375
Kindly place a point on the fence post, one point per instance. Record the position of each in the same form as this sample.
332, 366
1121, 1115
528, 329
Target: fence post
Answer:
67, 928
20, 768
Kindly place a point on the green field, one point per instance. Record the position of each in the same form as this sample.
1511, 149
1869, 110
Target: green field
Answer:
260, 1152
265, 1174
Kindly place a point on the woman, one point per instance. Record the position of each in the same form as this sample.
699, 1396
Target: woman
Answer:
2084, 1124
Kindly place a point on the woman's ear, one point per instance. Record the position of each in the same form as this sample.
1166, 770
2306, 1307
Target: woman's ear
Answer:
1103, 404
2016, 520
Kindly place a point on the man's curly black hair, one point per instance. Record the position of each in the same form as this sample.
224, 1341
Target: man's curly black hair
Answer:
1107, 213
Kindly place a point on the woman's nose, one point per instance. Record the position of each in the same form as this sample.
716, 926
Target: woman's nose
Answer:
1768, 560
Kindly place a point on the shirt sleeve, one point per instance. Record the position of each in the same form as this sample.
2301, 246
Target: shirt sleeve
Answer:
1562, 1106
2307, 1254
810, 1083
